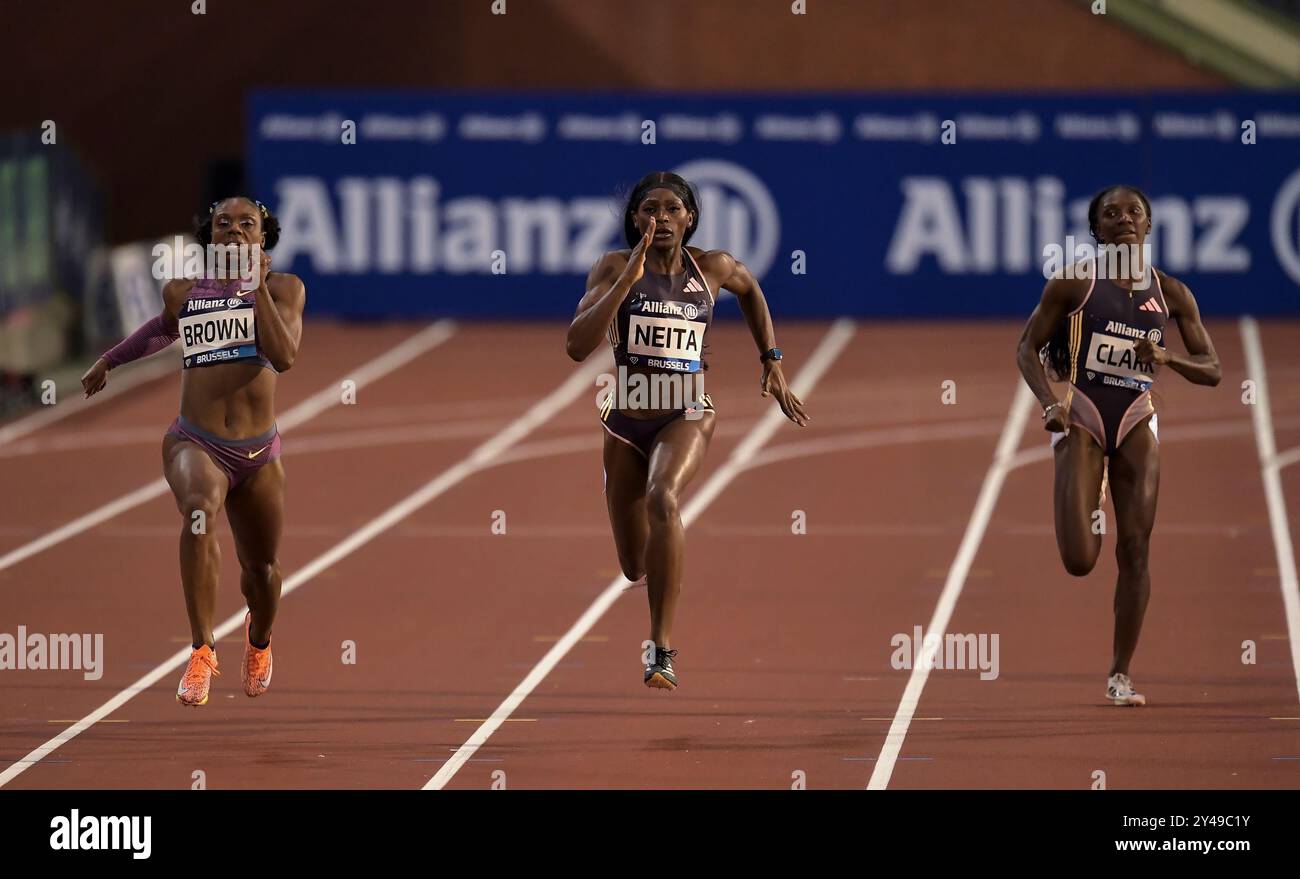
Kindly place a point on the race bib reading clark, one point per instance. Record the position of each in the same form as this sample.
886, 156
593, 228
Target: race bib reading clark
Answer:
1114, 355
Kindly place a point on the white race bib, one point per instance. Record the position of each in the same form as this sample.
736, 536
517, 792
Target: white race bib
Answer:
673, 342
219, 335
1114, 355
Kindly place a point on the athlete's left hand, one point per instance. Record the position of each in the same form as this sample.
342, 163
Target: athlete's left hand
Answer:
1149, 353
773, 385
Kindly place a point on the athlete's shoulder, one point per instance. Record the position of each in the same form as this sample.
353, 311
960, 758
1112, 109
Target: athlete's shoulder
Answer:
711, 256
718, 263
1168, 284
1178, 296
610, 264
286, 287
1071, 291
286, 281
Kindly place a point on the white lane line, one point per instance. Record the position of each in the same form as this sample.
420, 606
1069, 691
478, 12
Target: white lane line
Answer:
975, 528
408, 350
1270, 472
479, 459
1287, 458
827, 350
146, 371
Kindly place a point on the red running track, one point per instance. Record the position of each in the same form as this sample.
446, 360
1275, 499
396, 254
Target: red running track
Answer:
785, 638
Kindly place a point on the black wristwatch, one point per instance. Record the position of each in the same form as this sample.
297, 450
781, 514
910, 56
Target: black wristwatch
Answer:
770, 354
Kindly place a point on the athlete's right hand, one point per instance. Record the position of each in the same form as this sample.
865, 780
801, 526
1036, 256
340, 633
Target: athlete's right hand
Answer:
1055, 420
636, 261
95, 378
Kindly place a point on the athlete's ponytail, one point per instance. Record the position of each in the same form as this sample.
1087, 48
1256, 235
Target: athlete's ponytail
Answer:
1055, 355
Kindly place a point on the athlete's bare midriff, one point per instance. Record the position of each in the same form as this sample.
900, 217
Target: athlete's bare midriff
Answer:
233, 400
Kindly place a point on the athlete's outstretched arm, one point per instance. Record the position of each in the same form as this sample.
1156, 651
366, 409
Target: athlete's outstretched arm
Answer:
754, 306
1201, 364
155, 335
608, 284
1060, 297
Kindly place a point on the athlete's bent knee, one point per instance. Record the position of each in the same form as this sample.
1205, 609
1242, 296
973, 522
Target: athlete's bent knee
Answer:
661, 505
261, 575
199, 506
1077, 565
1131, 551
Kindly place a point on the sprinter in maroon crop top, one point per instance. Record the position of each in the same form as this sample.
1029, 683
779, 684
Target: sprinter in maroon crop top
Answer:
223, 450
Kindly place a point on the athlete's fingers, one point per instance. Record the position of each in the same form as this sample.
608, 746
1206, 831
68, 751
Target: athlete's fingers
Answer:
797, 405
783, 400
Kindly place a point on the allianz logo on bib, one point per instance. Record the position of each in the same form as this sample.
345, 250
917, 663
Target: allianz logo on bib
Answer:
77, 832
1123, 329
208, 304
686, 310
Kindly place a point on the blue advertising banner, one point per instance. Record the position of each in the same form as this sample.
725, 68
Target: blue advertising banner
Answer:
405, 204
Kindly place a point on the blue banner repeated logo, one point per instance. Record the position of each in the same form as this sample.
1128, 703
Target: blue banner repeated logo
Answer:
497, 206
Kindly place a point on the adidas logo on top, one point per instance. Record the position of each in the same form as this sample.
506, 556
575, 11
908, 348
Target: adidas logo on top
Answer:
1150, 305
693, 286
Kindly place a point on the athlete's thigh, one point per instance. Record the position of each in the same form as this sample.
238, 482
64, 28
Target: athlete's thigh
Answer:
679, 451
192, 475
1079, 466
625, 480
1135, 482
255, 509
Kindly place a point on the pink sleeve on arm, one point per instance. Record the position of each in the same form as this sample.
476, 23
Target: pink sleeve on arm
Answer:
149, 339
